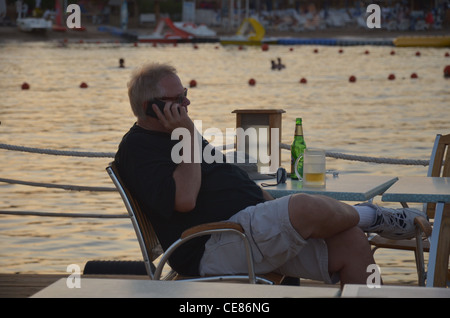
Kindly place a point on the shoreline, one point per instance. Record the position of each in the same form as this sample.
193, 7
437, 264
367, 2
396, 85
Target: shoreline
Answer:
92, 33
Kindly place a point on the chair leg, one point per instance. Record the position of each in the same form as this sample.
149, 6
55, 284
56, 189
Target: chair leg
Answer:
420, 262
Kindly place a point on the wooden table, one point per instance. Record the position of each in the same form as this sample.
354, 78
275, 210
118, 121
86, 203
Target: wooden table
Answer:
425, 190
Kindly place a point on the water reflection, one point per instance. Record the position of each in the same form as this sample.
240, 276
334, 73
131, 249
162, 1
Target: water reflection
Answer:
372, 116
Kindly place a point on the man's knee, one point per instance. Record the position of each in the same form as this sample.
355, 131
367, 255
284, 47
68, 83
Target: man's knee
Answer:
319, 216
354, 240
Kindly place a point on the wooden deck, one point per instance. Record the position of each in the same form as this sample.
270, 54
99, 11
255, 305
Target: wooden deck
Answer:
26, 285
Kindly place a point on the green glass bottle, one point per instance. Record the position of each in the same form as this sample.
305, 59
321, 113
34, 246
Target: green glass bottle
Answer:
297, 148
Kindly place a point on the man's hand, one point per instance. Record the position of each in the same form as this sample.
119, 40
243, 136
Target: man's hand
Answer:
174, 116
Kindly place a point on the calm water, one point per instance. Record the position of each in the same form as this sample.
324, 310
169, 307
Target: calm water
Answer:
372, 117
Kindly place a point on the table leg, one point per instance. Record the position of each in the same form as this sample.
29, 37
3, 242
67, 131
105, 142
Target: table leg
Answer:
439, 248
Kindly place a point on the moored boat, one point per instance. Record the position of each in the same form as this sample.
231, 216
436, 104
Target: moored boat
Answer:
34, 24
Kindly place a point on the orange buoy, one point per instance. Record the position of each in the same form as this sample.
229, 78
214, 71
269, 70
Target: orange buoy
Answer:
251, 82
83, 85
414, 75
193, 83
195, 46
303, 80
341, 51
265, 47
366, 52
447, 54
392, 52
417, 53
447, 71
316, 51
391, 77
291, 49
25, 85
352, 79
240, 48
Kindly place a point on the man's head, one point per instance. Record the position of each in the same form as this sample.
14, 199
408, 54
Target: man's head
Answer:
153, 81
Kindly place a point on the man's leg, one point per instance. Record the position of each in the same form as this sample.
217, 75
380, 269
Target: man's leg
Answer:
349, 252
320, 216
349, 255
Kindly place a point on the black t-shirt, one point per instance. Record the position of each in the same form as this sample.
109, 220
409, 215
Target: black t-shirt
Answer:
146, 167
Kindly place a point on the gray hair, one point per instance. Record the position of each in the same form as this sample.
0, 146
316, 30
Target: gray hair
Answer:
144, 85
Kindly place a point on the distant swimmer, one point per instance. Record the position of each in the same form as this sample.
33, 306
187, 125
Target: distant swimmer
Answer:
274, 65
280, 65
122, 63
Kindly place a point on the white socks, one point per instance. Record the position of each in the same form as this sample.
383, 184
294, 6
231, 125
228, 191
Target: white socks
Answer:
367, 215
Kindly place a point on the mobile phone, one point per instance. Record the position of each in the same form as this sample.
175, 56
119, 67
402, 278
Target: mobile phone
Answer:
158, 103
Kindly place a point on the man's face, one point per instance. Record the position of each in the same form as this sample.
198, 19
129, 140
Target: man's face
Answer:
174, 90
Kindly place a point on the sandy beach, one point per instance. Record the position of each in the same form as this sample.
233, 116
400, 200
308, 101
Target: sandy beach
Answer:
92, 33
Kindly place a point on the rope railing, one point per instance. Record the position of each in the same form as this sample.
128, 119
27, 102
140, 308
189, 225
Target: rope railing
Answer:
58, 186
335, 155
111, 189
58, 152
70, 215
391, 161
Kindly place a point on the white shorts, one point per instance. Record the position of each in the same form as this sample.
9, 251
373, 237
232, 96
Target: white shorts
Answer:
276, 246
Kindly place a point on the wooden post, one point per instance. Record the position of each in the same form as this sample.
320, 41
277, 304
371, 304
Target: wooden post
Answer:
270, 118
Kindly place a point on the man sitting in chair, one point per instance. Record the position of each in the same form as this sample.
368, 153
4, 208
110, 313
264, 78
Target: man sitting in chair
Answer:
301, 235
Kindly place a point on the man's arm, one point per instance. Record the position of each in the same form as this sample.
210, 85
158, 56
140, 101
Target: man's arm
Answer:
187, 175
188, 179
267, 196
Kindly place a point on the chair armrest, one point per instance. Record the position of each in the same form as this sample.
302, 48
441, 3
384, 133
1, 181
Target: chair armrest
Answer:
212, 226
424, 225
208, 229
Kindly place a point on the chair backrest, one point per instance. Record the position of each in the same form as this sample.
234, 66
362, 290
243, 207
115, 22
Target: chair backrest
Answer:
439, 166
148, 241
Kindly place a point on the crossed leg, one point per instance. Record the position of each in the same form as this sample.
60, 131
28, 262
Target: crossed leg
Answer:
334, 221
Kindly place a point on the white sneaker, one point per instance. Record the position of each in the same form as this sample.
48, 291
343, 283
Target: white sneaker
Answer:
394, 224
